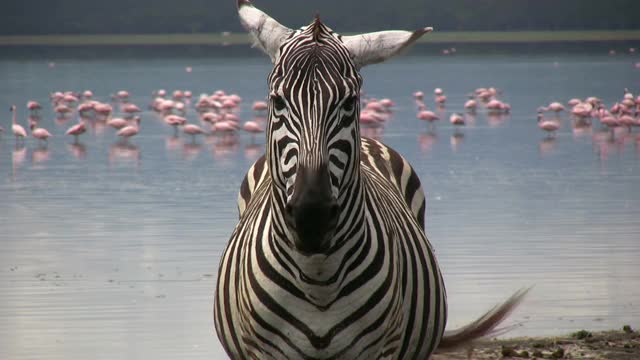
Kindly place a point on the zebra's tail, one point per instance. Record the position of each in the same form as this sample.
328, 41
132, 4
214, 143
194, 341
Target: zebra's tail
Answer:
484, 326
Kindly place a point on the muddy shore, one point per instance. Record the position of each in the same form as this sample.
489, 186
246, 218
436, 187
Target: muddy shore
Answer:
621, 344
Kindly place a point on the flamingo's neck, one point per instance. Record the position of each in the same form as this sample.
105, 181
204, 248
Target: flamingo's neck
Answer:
13, 118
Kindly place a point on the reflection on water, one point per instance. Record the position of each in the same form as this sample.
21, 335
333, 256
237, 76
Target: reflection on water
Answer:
123, 150
456, 139
547, 145
115, 256
78, 150
40, 155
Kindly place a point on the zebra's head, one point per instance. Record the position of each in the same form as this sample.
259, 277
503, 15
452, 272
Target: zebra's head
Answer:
313, 135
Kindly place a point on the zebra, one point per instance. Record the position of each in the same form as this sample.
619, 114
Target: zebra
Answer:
329, 259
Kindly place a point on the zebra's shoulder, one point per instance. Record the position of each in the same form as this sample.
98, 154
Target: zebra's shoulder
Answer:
254, 177
390, 165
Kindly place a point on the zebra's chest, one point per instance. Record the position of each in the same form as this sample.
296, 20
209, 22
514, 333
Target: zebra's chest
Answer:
285, 306
347, 312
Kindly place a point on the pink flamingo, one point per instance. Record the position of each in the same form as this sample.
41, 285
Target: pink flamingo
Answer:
63, 109
259, 106
555, 107
85, 107
18, 131
193, 130
103, 109
456, 119
609, 120
627, 120
441, 99
130, 130
369, 118
252, 127
582, 110
484, 94
77, 129
165, 106
428, 115
418, 95
387, 103
438, 91
225, 126
495, 105
229, 104
40, 133
70, 98
375, 106
131, 109
232, 117
123, 95
471, 105
175, 121
235, 98
574, 102
34, 106
549, 126
117, 123
178, 95
180, 107
211, 117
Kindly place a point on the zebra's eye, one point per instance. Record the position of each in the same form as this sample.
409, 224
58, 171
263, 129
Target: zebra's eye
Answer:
278, 103
350, 104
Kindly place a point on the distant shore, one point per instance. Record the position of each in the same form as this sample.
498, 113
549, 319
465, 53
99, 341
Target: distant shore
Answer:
448, 37
611, 345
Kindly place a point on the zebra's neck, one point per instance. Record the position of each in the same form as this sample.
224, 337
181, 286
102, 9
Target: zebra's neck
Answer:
322, 276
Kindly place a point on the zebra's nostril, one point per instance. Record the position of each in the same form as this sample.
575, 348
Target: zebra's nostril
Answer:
334, 209
289, 217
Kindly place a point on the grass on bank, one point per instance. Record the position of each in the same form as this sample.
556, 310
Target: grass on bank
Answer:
241, 38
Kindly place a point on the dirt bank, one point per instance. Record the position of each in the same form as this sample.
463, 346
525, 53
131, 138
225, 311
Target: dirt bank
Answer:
616, 344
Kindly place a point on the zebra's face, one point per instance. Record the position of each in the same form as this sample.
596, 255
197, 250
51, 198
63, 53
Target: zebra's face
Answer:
313, 139
313, 134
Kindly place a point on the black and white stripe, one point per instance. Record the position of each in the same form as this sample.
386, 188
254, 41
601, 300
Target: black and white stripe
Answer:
367, 287
378, 291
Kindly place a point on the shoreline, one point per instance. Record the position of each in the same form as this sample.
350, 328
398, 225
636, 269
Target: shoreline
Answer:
613, 344
443, 37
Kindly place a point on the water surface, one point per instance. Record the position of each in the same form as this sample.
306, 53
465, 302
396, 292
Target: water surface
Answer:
111, 250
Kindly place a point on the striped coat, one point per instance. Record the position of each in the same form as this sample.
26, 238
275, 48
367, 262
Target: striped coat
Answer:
304, 327
329, 259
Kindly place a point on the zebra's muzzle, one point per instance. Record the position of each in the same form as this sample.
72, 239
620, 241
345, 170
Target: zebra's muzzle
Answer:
312, 212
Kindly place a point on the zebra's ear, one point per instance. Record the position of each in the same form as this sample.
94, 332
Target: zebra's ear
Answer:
267, 33
372, 48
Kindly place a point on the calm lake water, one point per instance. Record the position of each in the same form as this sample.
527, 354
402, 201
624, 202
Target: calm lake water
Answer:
111, 251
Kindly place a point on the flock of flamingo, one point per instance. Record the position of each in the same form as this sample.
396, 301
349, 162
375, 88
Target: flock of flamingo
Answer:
218, 110
218, 113
623, 114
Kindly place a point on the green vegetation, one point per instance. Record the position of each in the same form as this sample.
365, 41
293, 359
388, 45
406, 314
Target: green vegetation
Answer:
240, 38
41, 17
582, 334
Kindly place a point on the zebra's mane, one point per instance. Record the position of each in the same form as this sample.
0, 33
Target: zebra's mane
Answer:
312, 46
